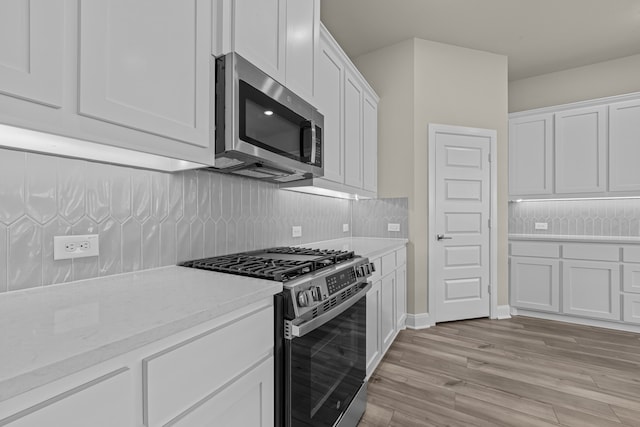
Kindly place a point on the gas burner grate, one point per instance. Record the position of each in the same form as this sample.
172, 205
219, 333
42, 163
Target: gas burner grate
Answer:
256, 264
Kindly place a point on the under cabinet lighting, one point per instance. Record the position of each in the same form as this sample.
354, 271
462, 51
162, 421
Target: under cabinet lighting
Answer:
28, 140
323, 192
575, 198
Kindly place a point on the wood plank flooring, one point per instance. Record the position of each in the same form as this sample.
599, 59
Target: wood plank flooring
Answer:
516, 372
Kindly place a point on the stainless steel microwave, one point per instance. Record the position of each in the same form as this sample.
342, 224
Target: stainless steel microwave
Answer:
263, 130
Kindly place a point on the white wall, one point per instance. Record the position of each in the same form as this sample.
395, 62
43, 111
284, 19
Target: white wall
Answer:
450, 85
615, 77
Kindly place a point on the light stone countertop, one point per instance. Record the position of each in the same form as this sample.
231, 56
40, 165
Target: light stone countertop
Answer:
370, 247
51, 332
570, 238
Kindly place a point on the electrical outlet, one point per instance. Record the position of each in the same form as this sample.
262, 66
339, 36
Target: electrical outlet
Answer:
79, 246
542, 226
296, 231
345, 227
393, 227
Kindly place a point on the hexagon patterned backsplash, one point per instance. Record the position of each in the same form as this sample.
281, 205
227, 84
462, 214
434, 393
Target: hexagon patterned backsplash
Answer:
619, 217
372, 217
145, 219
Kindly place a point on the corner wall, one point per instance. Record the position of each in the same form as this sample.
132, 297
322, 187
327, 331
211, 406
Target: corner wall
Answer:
609, 78
449, 85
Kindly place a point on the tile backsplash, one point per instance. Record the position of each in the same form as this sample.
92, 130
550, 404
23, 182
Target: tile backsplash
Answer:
371, 217
619, 217
145, 219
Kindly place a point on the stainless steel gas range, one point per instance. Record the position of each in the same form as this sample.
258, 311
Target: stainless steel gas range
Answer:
320, 330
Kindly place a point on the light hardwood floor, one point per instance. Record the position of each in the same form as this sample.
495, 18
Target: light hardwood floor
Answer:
517, 372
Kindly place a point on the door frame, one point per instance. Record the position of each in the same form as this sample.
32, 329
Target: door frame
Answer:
493, 209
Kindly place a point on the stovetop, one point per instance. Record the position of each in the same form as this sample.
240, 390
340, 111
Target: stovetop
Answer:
279, 264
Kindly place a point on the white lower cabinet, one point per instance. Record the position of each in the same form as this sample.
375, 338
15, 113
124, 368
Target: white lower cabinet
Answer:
535, 283
246, 402
106, 401
631, 308
386, 305
591, 289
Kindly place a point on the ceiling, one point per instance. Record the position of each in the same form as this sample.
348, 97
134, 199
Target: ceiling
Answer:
538, 36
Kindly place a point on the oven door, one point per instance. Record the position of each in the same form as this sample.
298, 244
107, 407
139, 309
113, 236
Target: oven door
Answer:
325, 367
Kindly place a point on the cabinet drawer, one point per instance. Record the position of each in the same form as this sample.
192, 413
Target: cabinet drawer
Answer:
536, 249
401, 256
631, 308
631, 277
388, 263
377, 264
103, 402
591, 252
179, 377
631, 254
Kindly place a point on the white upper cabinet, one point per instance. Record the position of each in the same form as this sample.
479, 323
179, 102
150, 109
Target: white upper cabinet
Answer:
259, 34
370, 143
531, 155
32, 50
624, 146
328, 89
278, 36
352, 130
145, 65
580, 143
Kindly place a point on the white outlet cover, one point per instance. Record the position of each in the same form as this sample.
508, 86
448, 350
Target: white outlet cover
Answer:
76, 246
393, 227
296, 231
345, 227
541, 225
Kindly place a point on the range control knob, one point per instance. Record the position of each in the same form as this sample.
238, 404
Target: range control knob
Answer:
303, 299
317, 293
359, 271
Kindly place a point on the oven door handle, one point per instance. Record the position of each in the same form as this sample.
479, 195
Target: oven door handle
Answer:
298, 331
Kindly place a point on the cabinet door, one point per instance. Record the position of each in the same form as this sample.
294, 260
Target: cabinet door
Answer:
580, 140
632, 308
388, 310
104, 402
329, 84
401, 297
32, 50
303, 22
631, 277
374, 339
591, 288
531, 155
352, 130
535, 284
370, 143
624, 146
145, 65
246, 402
260, 34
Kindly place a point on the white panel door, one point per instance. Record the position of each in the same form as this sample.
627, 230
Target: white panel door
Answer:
303, 22
531, 155
145, 65
388, 310
370, 143
246, 402
104, 402
535, 284
462, 209
591, 289
260, 34
624, 146
32, 50
329, 85
374, 339
352, 131
581, 149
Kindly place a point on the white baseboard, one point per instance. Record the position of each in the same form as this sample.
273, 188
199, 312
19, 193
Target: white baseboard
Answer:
503, 312
419, 321
577, 320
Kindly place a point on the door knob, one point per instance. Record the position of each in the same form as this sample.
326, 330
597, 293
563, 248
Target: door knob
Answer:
442, 237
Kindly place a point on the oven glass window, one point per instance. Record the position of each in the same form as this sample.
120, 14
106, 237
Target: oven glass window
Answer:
268, 124
328, 368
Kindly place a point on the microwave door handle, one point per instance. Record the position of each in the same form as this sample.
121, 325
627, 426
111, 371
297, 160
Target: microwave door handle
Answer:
313, 142
298, 331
